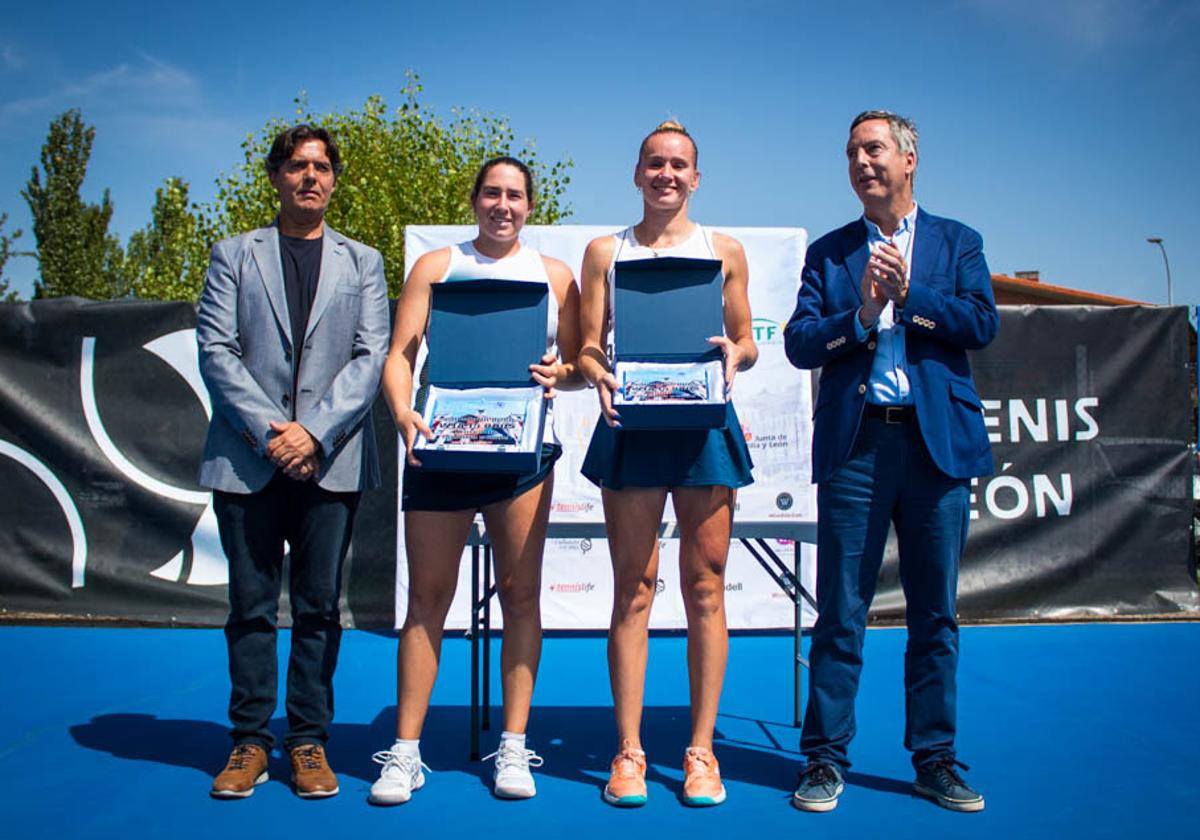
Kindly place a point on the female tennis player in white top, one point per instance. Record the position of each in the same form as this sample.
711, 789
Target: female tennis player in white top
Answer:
439, 507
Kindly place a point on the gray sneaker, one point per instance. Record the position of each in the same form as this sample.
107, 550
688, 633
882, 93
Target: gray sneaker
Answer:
940, 782
819, 788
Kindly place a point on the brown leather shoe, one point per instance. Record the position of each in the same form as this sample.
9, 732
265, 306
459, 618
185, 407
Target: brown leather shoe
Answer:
247, 767
311, 773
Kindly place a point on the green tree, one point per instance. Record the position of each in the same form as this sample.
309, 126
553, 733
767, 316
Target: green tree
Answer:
167, 259
76, 253
403, 167
6, 252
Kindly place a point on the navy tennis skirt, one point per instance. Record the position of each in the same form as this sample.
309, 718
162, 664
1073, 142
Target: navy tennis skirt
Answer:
620, 458
445, 490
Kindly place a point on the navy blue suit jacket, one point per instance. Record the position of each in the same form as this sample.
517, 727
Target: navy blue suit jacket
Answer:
949, 310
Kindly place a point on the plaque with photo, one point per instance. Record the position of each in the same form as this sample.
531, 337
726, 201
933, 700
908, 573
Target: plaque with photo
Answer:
483, 419
667, 383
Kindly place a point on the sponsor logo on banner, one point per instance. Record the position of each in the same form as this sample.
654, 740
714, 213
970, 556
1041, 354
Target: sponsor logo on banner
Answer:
660, 586
779, 440
585, 545
573, 507
581, 587
734, 587
767, 331
784, 501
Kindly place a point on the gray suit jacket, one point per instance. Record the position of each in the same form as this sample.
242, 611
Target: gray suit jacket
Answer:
246, 344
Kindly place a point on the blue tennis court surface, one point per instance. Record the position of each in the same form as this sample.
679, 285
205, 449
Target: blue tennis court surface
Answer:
1072, 731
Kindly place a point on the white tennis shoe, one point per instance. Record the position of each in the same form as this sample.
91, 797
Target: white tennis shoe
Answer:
512, 779
400, 776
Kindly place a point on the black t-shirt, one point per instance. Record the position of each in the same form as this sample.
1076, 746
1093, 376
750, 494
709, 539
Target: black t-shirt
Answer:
301, 271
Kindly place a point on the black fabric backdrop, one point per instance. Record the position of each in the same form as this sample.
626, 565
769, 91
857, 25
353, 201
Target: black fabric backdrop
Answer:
1113, 386
1089, 515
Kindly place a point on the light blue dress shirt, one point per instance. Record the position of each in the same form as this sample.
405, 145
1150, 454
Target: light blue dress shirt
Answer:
889, 383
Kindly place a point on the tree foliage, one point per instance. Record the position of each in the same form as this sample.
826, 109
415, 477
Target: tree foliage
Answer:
76, 253
7, 251
403, 167
167, 259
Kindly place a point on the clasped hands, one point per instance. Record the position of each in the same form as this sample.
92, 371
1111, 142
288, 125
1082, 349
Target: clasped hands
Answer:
884, 279
294, 450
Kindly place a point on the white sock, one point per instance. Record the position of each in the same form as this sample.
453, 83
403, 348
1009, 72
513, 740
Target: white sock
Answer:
517, 739
405, 747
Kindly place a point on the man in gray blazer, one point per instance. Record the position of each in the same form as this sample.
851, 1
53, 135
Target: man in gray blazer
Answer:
293, 331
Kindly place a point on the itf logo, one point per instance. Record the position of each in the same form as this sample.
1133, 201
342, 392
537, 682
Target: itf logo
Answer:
767, 331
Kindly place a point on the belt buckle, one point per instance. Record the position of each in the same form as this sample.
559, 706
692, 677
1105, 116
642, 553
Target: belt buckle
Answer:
891, 411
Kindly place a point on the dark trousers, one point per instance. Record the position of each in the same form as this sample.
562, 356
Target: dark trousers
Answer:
888, 479
316, 525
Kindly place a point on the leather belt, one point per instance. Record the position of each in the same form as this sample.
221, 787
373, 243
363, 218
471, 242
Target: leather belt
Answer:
892, 413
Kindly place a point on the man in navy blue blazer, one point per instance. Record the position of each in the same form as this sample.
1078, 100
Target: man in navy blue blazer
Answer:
888, 308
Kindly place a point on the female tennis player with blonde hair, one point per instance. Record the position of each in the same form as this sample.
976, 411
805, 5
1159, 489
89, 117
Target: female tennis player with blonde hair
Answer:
636, 471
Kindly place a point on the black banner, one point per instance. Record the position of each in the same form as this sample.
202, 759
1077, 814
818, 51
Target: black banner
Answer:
103, 416
102, 421
1089, 514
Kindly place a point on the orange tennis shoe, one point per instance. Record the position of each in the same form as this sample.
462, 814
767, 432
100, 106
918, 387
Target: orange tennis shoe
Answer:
626, 786
701, 778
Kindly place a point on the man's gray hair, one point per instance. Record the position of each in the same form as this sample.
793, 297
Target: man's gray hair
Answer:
904, 130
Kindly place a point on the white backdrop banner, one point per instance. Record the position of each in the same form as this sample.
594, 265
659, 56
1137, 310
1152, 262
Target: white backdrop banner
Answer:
774, 404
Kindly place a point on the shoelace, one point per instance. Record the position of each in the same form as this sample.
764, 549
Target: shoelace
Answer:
626, 765
510, 756
310, 757
404, 763
944, 770
819, 774
240, 757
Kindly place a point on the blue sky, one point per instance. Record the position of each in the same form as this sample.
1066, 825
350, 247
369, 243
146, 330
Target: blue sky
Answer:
1059, 129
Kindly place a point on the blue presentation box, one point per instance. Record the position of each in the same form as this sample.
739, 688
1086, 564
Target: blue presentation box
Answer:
487, 413
664, 311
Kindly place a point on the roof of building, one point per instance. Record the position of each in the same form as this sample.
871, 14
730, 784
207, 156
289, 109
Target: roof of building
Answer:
1037, 292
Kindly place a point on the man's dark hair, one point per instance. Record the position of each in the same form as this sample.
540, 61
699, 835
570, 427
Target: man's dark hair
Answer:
286, 141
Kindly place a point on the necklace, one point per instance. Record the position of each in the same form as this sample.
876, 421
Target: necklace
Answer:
657, 251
